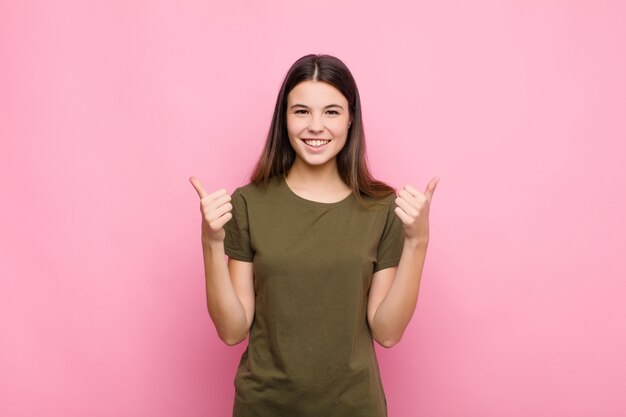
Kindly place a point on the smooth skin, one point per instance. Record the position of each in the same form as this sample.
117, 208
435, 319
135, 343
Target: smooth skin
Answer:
315, 110
229, 286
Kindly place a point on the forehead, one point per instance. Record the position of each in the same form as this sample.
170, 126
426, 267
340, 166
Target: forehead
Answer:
316, 94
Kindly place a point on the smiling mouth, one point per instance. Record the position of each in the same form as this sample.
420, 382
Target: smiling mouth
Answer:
316, 143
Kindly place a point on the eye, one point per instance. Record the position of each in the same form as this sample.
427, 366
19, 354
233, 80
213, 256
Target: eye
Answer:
300, 111
333, 112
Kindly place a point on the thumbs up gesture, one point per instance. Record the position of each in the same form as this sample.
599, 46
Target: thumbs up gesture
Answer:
413, 208
216, 211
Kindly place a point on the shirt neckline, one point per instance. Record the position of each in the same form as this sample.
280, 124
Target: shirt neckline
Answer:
283, 183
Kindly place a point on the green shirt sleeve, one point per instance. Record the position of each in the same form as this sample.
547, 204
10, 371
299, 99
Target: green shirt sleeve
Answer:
392, 240
237, 243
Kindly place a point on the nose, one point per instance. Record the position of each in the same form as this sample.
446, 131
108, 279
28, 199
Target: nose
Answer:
316, 124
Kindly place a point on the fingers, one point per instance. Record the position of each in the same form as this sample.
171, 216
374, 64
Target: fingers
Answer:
219, 222
215, 218
214, 209
428, 194
214, 200
414, 192
406, 206
215, 194
202, 192
404, 218
218, 211
410, 197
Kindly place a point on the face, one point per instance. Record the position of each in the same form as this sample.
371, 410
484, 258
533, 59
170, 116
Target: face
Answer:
318, 120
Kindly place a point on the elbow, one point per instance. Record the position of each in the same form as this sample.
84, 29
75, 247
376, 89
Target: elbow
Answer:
387, 343
232, 341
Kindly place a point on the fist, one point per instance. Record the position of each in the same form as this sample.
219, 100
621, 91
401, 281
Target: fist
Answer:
216, 211
413, 209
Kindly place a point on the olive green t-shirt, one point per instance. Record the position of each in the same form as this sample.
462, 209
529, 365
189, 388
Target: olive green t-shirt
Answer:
310, 351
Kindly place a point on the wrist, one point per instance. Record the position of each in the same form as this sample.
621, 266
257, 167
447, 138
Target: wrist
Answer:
416, 242
212, 244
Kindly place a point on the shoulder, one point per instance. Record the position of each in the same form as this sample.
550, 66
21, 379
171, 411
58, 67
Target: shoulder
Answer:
385, 203
253, 191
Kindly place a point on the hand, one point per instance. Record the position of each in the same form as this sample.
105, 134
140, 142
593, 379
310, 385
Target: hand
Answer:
413, 208
216, 211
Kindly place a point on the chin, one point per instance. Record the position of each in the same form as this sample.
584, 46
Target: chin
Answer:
316, 161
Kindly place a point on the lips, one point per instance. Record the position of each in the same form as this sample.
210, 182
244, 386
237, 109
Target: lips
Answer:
315, 143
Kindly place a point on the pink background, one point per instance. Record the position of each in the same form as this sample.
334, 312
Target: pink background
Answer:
107, 109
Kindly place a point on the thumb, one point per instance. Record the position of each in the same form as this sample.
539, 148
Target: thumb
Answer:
198, 186
430, 189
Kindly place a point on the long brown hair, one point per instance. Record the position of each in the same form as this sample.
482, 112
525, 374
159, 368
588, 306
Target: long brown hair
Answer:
278, 155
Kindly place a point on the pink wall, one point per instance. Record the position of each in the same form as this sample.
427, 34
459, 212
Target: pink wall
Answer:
107, 109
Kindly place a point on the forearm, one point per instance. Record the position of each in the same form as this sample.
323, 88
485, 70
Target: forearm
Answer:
395, 311
224, 306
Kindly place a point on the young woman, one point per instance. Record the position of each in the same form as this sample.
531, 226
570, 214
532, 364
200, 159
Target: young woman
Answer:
322, 258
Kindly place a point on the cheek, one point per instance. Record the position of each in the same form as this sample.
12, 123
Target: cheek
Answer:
295, 124
339, 127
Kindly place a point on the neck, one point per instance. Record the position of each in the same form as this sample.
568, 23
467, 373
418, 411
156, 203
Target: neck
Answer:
315, 176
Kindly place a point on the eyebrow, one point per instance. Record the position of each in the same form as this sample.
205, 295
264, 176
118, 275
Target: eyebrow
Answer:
302, 105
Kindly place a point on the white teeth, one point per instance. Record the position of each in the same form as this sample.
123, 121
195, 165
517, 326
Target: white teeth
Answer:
316, 143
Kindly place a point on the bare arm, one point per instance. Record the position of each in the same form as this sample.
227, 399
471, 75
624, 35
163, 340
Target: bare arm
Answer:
226, 307
229, 286
394, 291
393, 295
